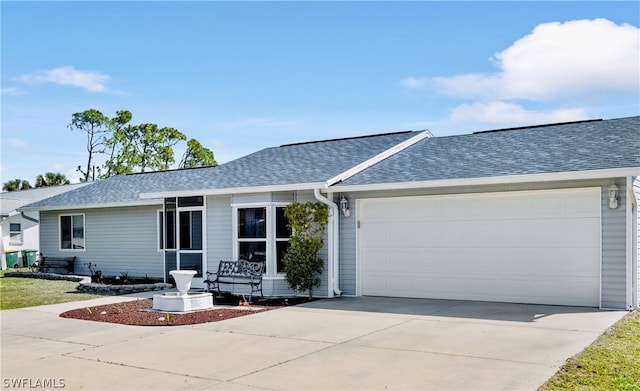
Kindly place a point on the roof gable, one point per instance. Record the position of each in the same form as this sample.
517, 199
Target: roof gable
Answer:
570, 147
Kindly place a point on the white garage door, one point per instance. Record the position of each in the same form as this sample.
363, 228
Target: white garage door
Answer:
525, 247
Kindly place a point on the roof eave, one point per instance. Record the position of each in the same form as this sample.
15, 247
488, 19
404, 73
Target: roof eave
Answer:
147, 202
496, 180
236, 190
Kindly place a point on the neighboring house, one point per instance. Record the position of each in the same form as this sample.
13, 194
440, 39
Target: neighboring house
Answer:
20, 230
542, 214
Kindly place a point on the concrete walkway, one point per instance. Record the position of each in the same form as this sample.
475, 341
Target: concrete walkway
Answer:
340, 344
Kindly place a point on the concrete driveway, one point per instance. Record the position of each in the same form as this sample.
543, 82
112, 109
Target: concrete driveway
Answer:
340, 344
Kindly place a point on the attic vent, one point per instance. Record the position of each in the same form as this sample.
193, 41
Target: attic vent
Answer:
537, 126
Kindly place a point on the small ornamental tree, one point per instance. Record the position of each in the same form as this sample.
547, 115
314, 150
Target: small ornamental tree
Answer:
302, 264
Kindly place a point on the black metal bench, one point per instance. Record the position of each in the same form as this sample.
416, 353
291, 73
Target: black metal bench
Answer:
47, 263
237, 272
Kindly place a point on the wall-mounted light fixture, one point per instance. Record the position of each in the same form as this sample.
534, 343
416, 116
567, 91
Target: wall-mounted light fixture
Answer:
613, 196
344, 206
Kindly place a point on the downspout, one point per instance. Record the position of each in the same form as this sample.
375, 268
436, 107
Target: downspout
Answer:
632, 236
24, 216
333, 260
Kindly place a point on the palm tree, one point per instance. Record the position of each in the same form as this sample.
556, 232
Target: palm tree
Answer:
51, 179
16, 184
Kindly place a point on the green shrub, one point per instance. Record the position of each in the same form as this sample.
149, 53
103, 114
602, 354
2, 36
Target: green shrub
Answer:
302, 264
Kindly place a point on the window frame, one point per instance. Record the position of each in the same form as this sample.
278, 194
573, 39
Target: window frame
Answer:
84, 232
270, 238
160, 230
16, 237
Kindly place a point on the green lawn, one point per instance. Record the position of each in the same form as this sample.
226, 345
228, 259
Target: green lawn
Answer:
29, 292
610, 363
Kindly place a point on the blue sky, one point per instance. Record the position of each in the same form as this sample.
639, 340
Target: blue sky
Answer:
242, 76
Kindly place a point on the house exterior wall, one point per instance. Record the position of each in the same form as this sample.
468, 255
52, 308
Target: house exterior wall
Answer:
30, 234
614, 249
219, 231
117, 240
613, 234
220, 242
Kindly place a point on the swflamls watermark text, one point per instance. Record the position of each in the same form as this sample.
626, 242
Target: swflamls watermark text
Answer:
38, 382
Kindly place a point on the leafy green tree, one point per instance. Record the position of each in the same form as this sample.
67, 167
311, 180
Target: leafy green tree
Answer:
51, 179
113, 165
16, 185
197, 155
132, 148
97, 126
144, 146
302, 264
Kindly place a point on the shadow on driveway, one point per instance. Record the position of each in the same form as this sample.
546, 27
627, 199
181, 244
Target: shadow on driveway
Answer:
510, 312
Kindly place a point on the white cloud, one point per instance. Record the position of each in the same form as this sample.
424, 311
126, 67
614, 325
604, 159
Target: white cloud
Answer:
13, 91
17, 143
557, 60
69, 76
413, 83
513, 114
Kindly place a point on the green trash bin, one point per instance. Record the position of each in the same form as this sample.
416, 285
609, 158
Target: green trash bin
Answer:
29, 257
12, 259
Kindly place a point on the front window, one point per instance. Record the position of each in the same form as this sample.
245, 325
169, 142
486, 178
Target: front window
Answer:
263, 235
252, 234
191, 230
72, 232
15, 233
160, 230
282, 238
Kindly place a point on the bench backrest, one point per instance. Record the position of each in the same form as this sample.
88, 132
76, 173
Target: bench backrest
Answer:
57, 260
254, 268
241, 267
227, 268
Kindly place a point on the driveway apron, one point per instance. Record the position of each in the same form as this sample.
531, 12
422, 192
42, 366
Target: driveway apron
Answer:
364, 343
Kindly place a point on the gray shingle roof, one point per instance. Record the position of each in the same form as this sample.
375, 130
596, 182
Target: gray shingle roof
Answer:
583, 146
580, 146
313, 162
12, 200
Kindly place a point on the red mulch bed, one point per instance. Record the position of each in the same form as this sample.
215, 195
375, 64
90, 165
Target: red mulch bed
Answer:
138, 313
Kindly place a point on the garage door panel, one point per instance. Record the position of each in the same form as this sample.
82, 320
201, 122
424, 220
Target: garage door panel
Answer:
580, 291
580, 205
512, 233
546, 232
547, 205
374, 234
480, 234
529, 247
481, 287
584, 232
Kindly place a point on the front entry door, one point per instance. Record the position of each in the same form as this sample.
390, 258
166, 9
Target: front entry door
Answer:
185, 219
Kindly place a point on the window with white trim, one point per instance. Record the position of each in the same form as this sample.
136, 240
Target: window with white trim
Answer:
15, 233
72, 232
262, 234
